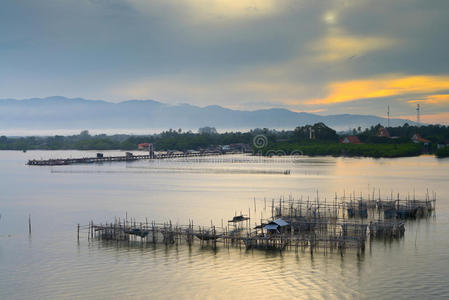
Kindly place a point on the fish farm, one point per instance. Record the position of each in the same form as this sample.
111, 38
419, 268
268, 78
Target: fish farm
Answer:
315, 225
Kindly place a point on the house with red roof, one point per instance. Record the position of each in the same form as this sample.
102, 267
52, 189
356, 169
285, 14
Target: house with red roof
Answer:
352, 139
417, 138
144, 146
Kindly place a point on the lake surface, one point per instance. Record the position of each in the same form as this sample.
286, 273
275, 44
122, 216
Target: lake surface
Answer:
51, 264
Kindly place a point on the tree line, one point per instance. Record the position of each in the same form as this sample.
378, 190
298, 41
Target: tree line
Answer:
317, 139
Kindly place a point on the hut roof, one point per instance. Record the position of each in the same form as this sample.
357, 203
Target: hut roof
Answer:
271, 227
280, 222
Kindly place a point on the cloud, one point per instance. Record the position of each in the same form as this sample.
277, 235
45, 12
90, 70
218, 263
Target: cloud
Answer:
208, 10
191, 88
212, 10
339, 45
438, 99
297, 54
380, 87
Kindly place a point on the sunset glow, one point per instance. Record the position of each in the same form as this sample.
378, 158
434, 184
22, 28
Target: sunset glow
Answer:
353, 90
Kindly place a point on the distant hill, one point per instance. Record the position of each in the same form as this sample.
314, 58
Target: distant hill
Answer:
78, 113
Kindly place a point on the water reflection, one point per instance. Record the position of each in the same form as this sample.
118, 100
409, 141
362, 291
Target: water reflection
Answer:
52, 265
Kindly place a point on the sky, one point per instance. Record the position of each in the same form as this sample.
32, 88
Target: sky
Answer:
318, 56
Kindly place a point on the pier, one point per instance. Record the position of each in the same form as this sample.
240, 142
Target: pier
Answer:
127, 157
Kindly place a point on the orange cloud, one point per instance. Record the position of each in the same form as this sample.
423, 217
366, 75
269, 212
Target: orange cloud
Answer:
433, 99
382, 87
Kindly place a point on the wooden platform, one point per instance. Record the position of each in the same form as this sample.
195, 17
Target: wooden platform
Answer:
90, 160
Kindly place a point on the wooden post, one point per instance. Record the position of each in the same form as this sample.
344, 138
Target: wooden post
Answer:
78, 232
249, 221
29, 224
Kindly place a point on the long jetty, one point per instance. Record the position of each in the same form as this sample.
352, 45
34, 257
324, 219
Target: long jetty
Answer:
100, 158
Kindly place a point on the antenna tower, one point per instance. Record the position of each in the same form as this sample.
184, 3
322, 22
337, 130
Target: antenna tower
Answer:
388, 114
418, 111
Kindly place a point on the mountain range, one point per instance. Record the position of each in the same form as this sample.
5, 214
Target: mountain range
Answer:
77, 113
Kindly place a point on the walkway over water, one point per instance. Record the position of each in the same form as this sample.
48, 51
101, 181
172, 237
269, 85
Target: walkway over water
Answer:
101, 158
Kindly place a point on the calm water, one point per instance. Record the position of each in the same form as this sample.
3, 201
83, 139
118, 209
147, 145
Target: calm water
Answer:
52, 265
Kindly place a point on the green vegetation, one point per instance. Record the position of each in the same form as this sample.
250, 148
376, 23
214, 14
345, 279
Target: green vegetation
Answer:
334, 149
317, 139
442, 152
434, 133
168, 140
318, 132
320, 140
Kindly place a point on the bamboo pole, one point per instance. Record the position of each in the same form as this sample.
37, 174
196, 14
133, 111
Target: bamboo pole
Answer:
29, 224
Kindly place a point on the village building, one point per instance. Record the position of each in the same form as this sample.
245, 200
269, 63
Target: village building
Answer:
276, 226
352, 139
383, 132
443, 144
417, 138
143, 146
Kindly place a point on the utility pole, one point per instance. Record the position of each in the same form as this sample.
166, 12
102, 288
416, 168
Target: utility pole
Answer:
418, 109
311, 133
